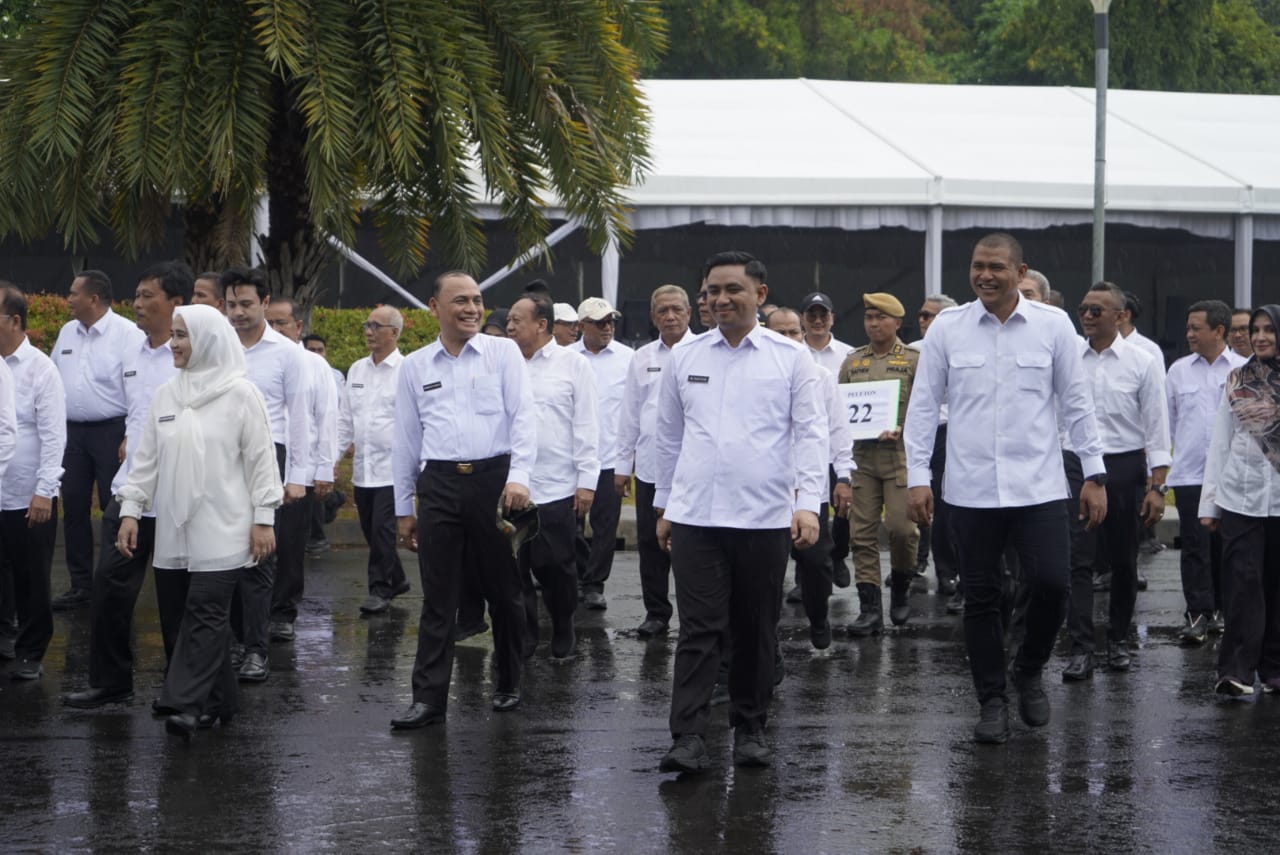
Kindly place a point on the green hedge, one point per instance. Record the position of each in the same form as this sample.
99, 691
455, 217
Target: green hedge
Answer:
341, 328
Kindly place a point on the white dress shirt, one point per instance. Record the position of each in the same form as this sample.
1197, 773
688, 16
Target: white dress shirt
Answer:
1238, 477
840, 445
90, 360
1128, 400
37, 405
146, 369
276, 367
1147, 346
832, 356
742, 439
239, 460
564, 390
638, 424
369, 417
1194, 389
472, 406
1004, 384
322, 417
610, 366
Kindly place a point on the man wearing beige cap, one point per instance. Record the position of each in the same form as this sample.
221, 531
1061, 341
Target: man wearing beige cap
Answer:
880, 479
609, 360
565, 328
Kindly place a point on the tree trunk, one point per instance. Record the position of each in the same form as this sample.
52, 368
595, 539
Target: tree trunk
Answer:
215, 236
294, 251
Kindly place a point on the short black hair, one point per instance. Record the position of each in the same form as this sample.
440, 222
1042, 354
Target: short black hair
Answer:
751, 265
235, 277
1006, 241
175, 278
291, 303
448, 274
97, 282
310, 337
1216, 314
13, 302
543, 310
538, 286
1132, 305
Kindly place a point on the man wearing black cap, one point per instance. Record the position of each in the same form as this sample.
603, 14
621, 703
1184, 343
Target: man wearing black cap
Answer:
880, 480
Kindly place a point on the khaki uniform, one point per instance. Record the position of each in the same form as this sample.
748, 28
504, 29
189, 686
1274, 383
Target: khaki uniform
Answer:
880, 482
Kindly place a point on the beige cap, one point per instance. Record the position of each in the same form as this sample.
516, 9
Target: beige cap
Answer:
597, 309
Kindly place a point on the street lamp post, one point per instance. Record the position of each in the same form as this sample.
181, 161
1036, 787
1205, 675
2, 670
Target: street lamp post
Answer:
1100, 58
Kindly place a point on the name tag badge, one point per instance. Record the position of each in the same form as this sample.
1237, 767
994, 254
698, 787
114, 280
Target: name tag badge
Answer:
66, 352
431, 387
361, 386
653, 368
166, 418
699, 378
131, 374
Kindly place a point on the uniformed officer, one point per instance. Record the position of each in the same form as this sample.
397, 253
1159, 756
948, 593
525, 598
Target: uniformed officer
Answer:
880, 480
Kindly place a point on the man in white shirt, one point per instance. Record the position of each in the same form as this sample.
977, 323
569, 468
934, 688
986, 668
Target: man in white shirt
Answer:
1194, 387
1239, 332
324, 510
118, 579
322, 432
566, 473
1005, 367
465, 444
738, 393
1133, 425
208, 291
565, 328
368, 423
609, 359
88, 354
817, 314
275, 365
669, 311
33, 425
814, 565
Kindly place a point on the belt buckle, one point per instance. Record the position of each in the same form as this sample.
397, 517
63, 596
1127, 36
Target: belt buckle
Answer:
465, 468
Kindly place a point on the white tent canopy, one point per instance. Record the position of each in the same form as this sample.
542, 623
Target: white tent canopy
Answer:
808, 153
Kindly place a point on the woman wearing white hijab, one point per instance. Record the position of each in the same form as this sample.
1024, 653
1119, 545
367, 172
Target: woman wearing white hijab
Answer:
207, 464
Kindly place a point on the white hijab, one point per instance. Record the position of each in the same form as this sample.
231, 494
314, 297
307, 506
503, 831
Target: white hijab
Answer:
216, 365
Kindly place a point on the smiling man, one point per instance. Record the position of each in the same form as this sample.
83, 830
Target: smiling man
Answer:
1005, 367
737, 393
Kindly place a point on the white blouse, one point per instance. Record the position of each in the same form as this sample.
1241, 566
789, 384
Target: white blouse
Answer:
1237, 475
242, 485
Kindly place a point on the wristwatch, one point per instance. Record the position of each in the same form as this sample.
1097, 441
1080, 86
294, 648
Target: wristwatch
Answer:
1162, 489
1100, 479
842, 480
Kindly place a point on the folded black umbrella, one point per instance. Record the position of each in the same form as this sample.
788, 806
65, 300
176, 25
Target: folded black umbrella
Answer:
519, 526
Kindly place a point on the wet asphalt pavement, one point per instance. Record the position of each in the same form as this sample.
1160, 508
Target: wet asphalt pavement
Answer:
872, 740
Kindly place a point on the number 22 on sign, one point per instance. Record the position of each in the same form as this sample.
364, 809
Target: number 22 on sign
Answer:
872, 407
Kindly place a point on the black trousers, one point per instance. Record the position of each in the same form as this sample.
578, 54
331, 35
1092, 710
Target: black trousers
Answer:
458, 537
116, 584
293, 527
1201, 555
1251, 594
92, 457
28, 563
172, 587
940, 538
839, 526
251, 608
1039, 535
728, 587
200, 677
814, 571
316, 531
606, 508
549, 557
377, 509
655, 563
1118, 538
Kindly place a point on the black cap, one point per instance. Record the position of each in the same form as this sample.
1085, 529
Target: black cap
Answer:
817, 298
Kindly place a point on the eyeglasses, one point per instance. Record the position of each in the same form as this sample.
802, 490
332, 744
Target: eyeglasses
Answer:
924, 316
374, 326
1092, 311
1243, 329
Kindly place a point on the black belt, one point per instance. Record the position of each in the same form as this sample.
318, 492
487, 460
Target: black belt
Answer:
114, 420
1125, 453
468, 467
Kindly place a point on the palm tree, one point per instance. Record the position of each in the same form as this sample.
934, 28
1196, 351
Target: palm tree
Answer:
409, 110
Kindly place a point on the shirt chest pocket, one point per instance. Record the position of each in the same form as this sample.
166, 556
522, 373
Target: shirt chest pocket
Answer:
487, 390
967, 372
1035, 372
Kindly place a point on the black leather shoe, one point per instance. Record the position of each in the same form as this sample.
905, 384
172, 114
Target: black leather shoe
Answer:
182, 725
719, 694
237, 656
1117, 657
1142, 582
946, 587
27, 670
1102, 582
1217, 623
563, 640
281, 630
402, 589
1033, 703
840, 576
506, 701
595, 601
417, 715
820, 635
1195, 631
374, 605
1080, 667
161, 711
899, 588
993, 725
749, 748
919, 583
91, 699
208, 720
254, 669
651, 628
76, 598
473, 629
687, 755
793, 596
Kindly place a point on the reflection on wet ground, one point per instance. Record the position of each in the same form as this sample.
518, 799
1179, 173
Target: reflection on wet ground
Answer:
871, 738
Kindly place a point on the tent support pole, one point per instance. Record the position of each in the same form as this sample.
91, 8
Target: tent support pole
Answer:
1244, 260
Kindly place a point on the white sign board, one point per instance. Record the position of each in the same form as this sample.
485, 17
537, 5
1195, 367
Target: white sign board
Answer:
871, 407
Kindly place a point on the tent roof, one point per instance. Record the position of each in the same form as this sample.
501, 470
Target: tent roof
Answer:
761, 143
